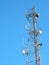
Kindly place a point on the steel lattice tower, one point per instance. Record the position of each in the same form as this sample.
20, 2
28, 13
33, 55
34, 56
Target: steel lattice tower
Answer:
31, 51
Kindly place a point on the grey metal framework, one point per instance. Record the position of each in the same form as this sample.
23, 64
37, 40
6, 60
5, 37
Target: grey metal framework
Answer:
31, 51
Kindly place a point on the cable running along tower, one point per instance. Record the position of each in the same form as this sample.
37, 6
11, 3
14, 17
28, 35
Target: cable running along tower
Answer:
32, 48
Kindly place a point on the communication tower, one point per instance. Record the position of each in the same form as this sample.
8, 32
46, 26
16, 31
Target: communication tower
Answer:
31, 51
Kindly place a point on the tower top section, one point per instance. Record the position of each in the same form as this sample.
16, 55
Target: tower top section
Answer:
32, 14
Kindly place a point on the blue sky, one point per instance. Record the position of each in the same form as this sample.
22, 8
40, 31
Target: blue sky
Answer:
12, 30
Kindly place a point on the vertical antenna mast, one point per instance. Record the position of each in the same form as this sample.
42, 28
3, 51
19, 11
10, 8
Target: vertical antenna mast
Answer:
32, 48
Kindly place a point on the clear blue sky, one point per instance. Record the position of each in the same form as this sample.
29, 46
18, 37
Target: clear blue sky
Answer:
12, 30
